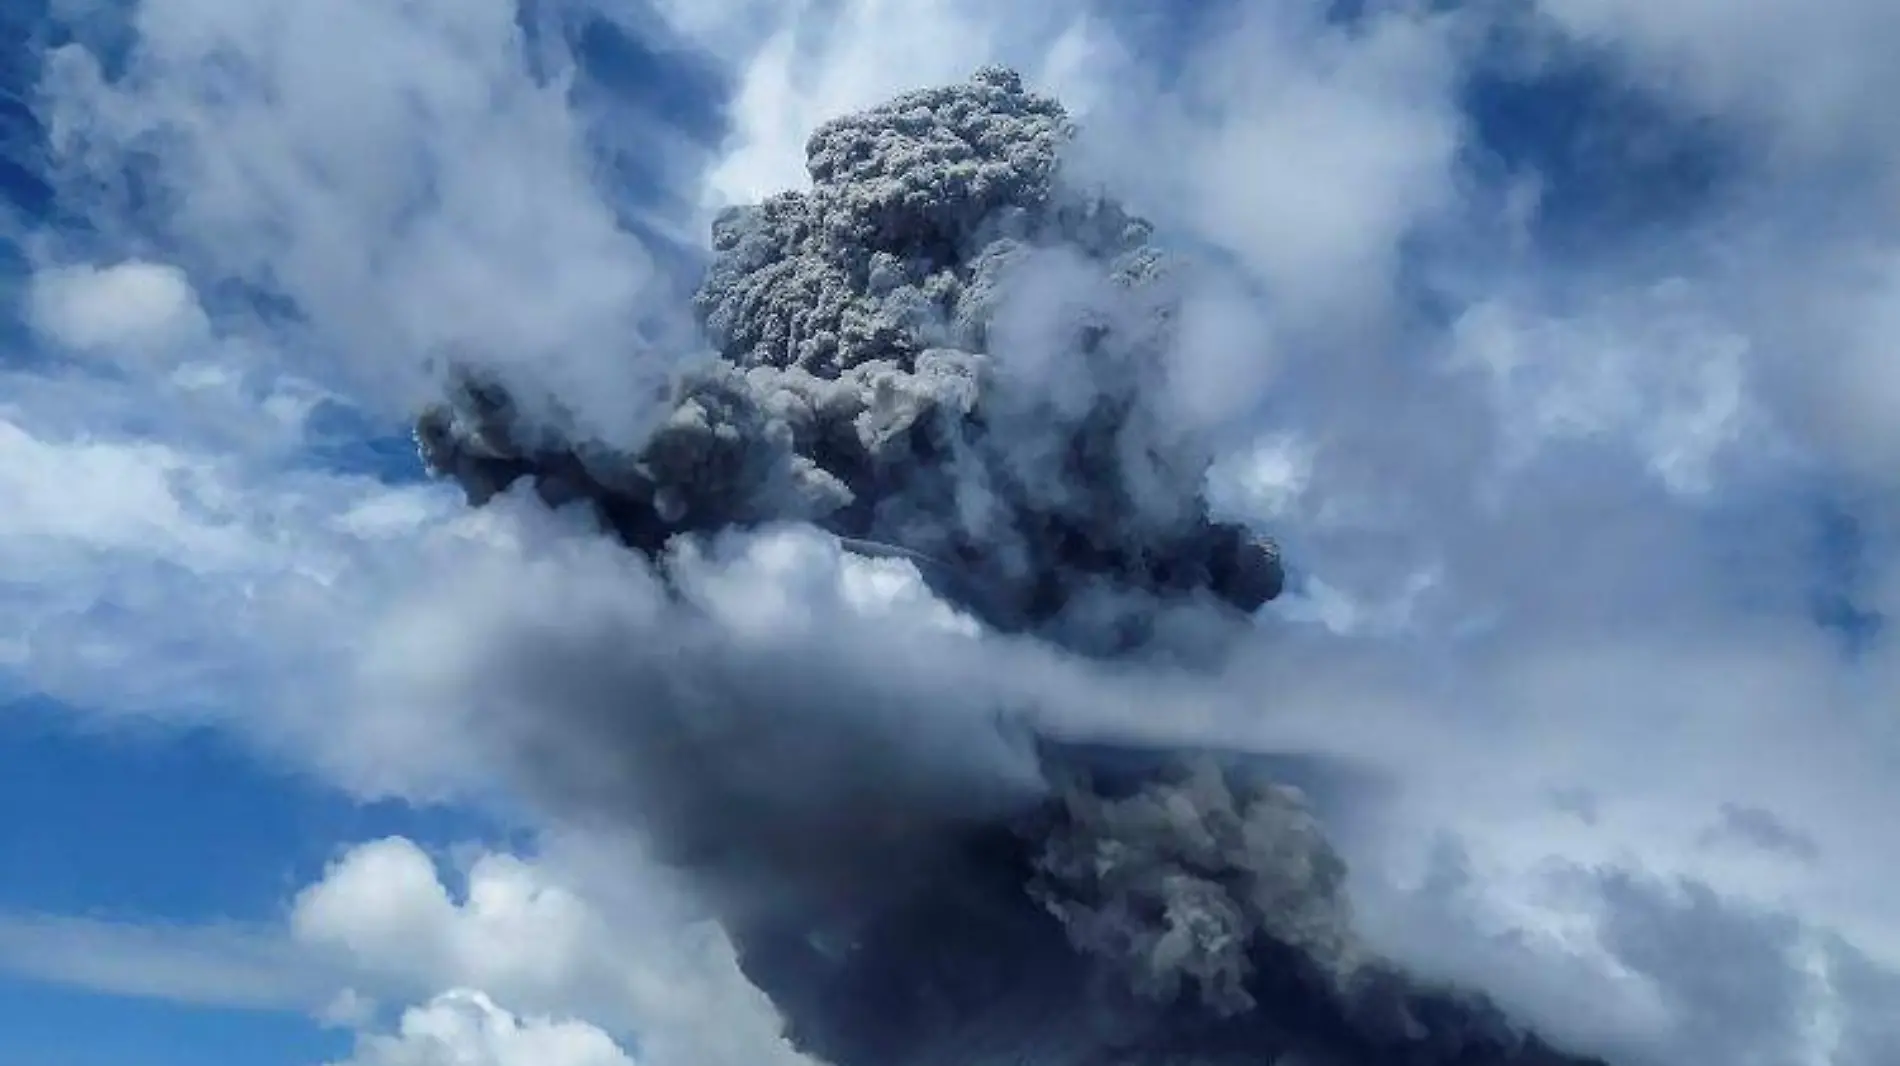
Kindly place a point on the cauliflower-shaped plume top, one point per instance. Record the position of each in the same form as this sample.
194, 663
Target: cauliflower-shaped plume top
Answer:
940, 345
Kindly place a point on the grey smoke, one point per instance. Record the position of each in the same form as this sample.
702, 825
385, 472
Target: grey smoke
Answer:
940, 346
1177, 880
949, 357
1156, 908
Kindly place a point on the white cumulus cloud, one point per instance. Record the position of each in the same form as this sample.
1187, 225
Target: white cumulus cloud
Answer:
128, 308
518, 932
466, 1028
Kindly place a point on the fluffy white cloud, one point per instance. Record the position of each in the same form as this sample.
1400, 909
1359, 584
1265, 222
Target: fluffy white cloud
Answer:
1554, 381
179, 560
127, 308
134, 497
465, 1028
399, 175
786, 580
520, 934
1317, 151
513, 934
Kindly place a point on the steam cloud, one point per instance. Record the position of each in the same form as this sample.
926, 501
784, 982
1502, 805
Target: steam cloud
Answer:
952, 357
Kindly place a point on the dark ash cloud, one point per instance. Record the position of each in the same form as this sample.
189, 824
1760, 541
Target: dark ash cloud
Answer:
941, 346
956, 363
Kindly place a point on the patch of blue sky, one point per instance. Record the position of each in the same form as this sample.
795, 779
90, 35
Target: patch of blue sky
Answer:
342, 439
1609, 158
184, 825
144, 878
628, 84
1166, 37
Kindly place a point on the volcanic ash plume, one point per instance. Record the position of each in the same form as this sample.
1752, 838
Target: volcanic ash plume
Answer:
946, 354
940, 347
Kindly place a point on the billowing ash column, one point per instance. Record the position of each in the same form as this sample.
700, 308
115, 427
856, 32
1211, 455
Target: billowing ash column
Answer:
940, 346
944, 352
1160, 909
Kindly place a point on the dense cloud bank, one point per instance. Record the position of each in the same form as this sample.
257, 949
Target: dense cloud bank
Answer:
952, 359
940, 346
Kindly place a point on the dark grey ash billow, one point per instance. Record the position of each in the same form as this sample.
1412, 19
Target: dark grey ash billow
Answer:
882, 370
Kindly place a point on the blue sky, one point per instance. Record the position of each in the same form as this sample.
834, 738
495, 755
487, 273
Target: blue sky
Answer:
1565, 373
150, 827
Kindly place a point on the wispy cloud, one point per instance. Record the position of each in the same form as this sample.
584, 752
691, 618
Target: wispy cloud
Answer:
401, 178
248, 968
